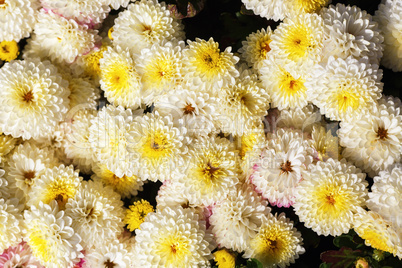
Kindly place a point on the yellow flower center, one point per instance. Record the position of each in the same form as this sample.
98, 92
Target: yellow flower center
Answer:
174, 249
298, 42
157, 145
310, 6
209, 60
347, 99
159, 71
59, 190
118, 77
188, 109
382, 133
264, 48
8, 50
136, 214
290, 86
224, 259
332, 200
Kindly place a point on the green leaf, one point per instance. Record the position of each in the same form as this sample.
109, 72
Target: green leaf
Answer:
343, 258
254, 263
325, 265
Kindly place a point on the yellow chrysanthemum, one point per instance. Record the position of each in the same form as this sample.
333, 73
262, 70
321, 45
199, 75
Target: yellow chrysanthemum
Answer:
296, 7
8, 50
224, 259
277, 243
92, 64
136, 214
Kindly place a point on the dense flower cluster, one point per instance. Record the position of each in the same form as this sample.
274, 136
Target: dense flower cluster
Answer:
99, 105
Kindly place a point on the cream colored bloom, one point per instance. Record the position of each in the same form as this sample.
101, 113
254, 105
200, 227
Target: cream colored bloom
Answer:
256, 47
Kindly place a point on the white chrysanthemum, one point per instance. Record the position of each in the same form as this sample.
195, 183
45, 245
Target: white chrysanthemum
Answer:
17, 19
206, 68
49, 234
389, 18
126, 186
284, 85
90, 12
19, 256
159, 146
351, 32
60, 39
7, 144
58, 183
298, 42
242, 103
344, 89
279, 170
277, 243
97, 214
145, 23
76, 141
377, 232
256, 47
269, 9
119, 78
324, 144
385, 196
27, 163
194, 110
33, 99
160, 68
242, 211
109, 138
297, 7
304, 119
211, 171
329, 195
112, 254
11, 223
374, 142
173, 237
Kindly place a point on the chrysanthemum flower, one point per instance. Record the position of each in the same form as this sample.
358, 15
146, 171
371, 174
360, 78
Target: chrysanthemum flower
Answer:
27, 163
385, 198
277, 243
298, 42
90, 63
242, 103
160, 68
49, 234
8, 50
377, 232
256, 47
143, 24
58, 183
170, 194
236, 219
135, 215
279, 170
374, 142
7, 144
351, 32
109, 138
90, 12
324, 144
269, 9
119, 78
112, 255
97, 214
303, 119
344, 89
285, 86
224, 259
173, 237
33, 99
76, 143
194, 110
211, 171
60, 39
159, 146
126, 186
389, 18
297, 7
329, 195
11, 223
206, 68
19, 256
17, 18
